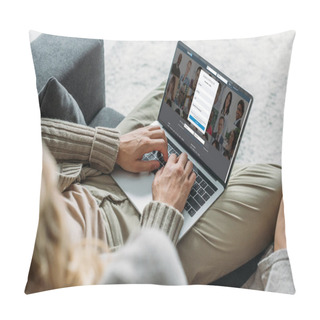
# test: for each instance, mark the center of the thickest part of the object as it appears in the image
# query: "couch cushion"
(77, 63)
(57, 103)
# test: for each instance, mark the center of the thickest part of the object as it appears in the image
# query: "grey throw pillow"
(57, 103)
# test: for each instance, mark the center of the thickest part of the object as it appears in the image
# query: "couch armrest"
(78, 64)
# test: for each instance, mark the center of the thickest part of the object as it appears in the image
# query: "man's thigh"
(238, 226)
(144, 113)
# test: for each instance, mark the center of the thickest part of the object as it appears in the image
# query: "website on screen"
(204, 110)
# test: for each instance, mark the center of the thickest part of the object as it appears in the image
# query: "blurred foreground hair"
(55, 262)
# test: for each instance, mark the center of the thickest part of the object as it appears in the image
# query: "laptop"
(203, 113)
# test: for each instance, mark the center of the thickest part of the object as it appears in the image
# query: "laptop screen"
(205, 111)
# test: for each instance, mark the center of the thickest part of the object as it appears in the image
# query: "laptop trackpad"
(137, 186)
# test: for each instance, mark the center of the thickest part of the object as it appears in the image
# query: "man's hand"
(135, 144)
(173, 182)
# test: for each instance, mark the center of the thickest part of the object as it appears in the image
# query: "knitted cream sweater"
(74, 145)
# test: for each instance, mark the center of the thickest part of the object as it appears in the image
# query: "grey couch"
(78, 64)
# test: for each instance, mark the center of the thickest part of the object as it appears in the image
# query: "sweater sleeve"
(273, 273)
(70, 142)
(164, 217)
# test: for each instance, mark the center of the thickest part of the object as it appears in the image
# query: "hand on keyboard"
(173, 182)
(202, 188)
(135, 144)
(157, 155)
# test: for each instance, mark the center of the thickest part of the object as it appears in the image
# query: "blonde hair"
(55, 263)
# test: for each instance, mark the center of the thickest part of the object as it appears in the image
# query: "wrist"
(163, 216)
(169, 201)
(104, 150)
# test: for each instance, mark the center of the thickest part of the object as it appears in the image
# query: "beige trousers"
(238, 226)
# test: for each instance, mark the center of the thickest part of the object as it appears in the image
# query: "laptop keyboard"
(202, 189)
